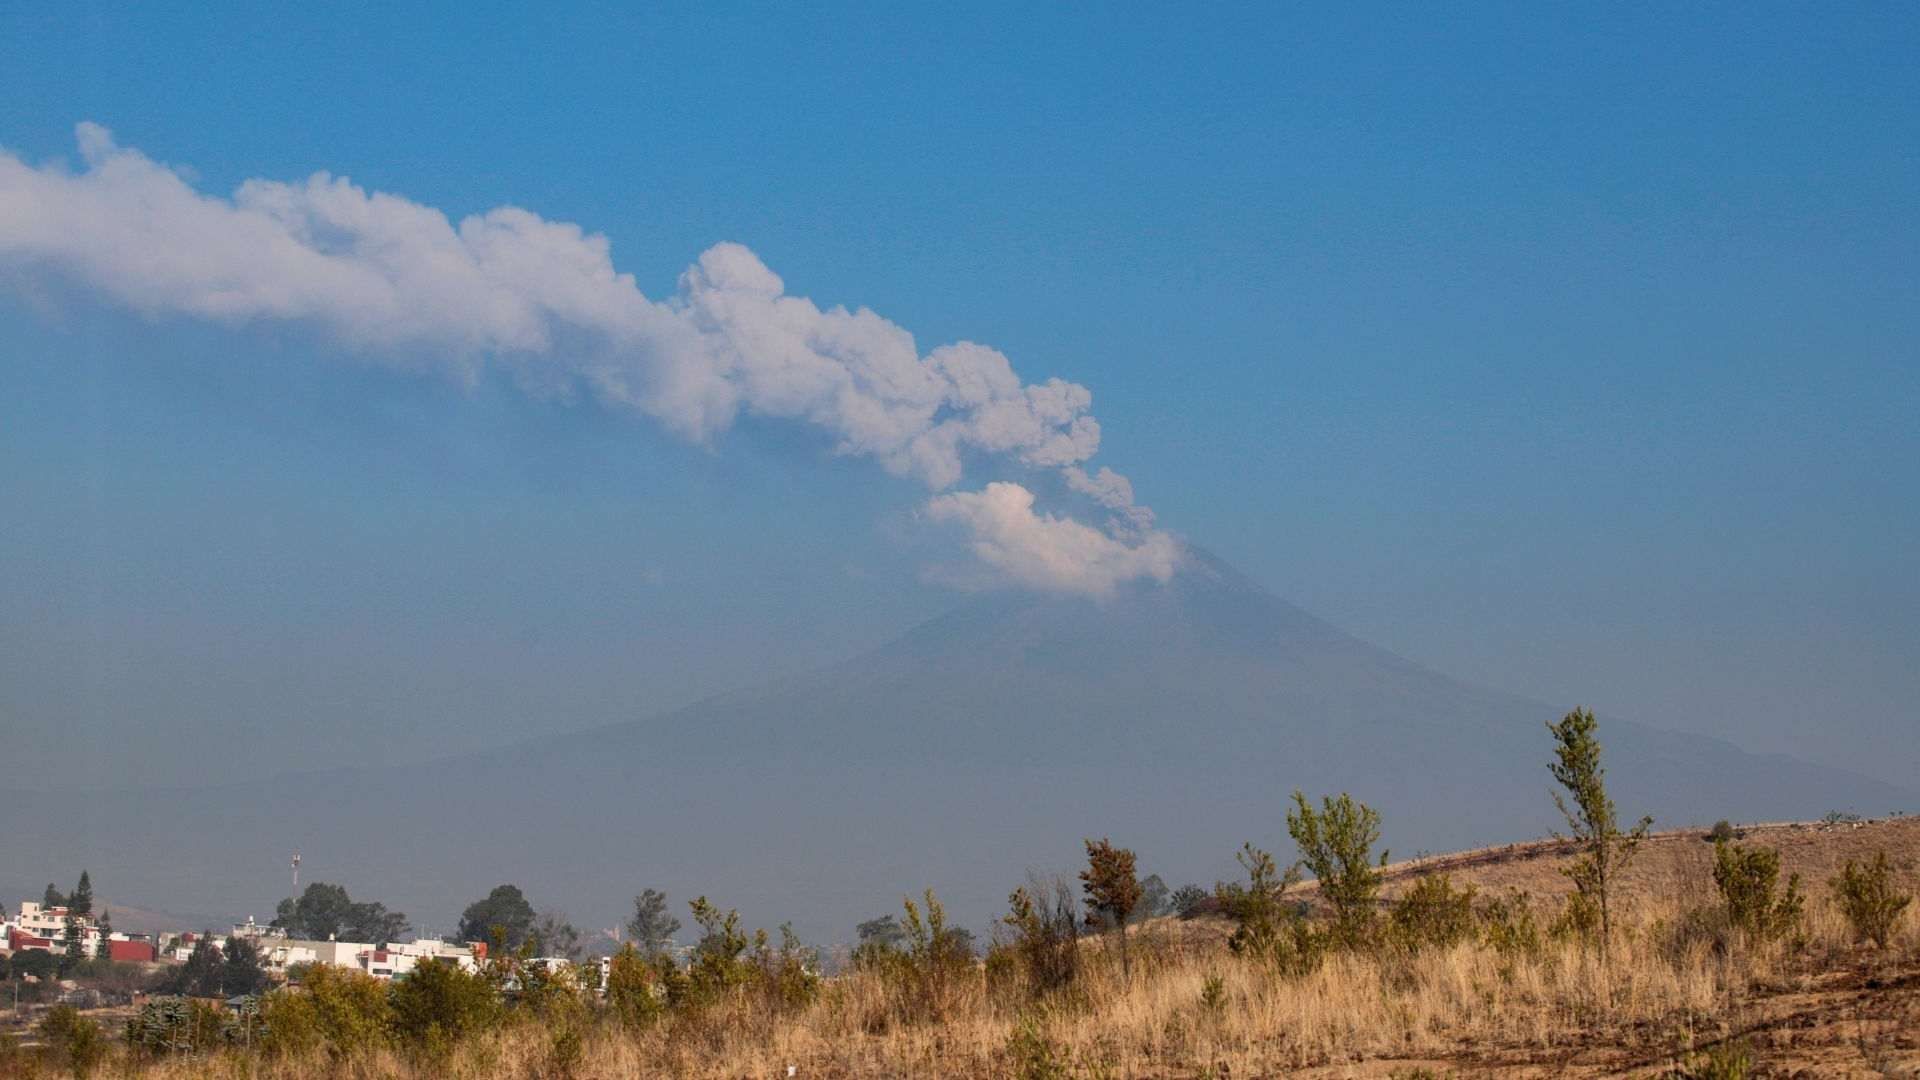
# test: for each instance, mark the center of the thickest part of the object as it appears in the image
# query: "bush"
(1867, 896)
(1336, 844)
(438, 1003)
(630, 989)
(75, 1038)
(1508, 926)
(1748, 880)
(1723, 830)
(787, 975)
(1433, 913)
(178, 1025)
(345, 1012)
(1043, 940)
(1270, 930)
(719, 961)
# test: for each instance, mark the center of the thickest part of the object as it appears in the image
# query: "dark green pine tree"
(105, 952)
(79, 906)
(52, 897)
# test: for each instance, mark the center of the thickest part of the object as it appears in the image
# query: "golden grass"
(1466, 1007)
(1820, 1005)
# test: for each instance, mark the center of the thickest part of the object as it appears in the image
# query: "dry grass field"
(1820, 1004)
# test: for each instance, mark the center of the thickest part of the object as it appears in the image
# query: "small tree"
(201, 975)
(1187, 899)
(1748, 880)
(554, 935)
(1155, 898)
(53, 897)
(1113, 892)
(1336, 844)
(242, 973)
(652, 925)
(1591, 820)
(1867, 896)
(1268, 930)
(104, 953)
(718, 964)
(79, 908)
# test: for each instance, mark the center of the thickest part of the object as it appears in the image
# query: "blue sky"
(1574, 352)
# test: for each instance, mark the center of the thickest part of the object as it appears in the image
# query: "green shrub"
(178, 1025)
(1268, 929)
(1432, 913)
(1748, 880)
(75, 1039)
(630, 994)
(345, 1012)
(438, 1003)
(788, 975)
(1723, 830)
(719, 961)
(1508, 926)
(1867, 896)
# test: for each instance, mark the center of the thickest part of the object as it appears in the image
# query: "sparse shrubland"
(1368, 969)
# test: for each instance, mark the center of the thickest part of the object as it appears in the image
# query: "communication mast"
(296, 874)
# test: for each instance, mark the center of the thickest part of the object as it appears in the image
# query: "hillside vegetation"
(1770, 950)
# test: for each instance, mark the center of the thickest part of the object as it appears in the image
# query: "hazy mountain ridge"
(1174, 718)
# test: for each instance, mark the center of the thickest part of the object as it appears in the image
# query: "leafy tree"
(881, 942)
(371, 921)
(1869, 899)
(1113, 892)
(504, 913)
(320, 913)
(1336, 844)
(1155, 898)
(884, 931)
(242, 972)
(36, 963)
(554, 935)
(53, 897)
(1591, 820)
(203, 973)
(1187, 899)
(652, 925)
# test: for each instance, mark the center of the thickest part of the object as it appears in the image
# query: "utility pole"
(296, 875)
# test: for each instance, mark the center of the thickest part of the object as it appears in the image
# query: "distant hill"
(1175, 718)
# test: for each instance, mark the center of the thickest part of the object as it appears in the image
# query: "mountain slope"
(1176, 719)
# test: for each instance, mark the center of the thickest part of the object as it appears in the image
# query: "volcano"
(1176, 718)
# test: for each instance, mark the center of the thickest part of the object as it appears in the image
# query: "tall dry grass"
(1190, 1008)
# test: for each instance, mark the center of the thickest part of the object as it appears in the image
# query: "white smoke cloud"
(400, 282)
(1047, 552)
